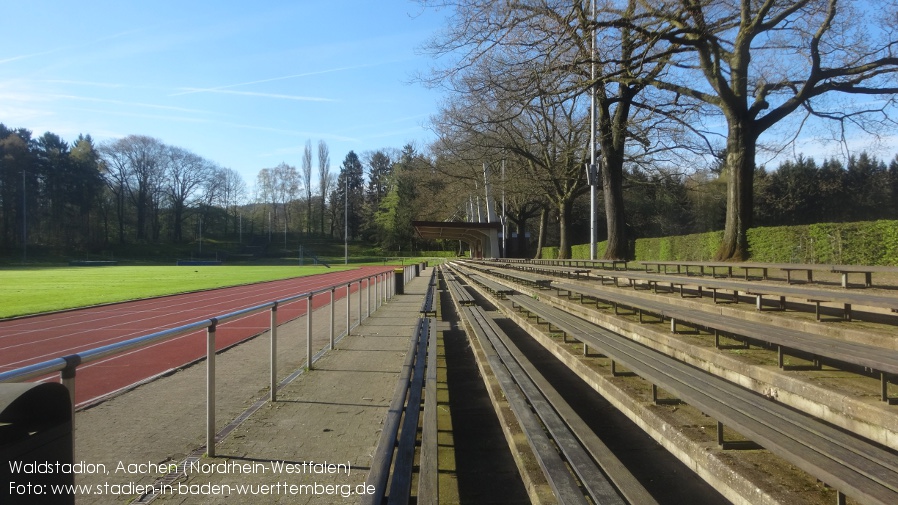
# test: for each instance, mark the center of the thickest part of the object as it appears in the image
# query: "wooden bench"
(883, 362)
(515, 275)
(868, 272)
(602, 264)
(416, 386)
(500, 290)
(852, 465)
(759, 290)
(557, 271)
(459, 293)
(428, 306)
(788, 268)
(746, 267)
(534, 402)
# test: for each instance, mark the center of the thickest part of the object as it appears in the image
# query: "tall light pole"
(24, 219)
(345, 221)
(504, 216)
(592, 140)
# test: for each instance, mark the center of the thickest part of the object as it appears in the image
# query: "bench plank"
(854, 466)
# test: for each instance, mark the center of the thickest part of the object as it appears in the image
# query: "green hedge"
(864, 243)
(436, 254)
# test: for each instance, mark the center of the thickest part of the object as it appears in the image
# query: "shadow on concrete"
(485, 469)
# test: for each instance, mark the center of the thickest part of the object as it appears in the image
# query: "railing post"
(333, 289)
(368, 296)
(309, 331)
(348, 317)
(210, 387)
(360, 301)
(67, 378)
(274, 351)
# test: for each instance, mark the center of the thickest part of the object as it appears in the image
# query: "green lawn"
(34, 290)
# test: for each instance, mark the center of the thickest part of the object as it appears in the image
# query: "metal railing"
(67, 366)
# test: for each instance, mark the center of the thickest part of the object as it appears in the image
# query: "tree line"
(87, 197)
(93, 197)
(798, 191)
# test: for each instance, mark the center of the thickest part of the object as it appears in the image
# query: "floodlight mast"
(591, 170)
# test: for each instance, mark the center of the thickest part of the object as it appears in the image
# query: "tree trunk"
(518, 245)
(177, 234)
(120, 210)
(564, 239)
(740, 167)
(613, 189)
(543, 224)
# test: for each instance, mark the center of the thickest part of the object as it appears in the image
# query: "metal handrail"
(68, 365)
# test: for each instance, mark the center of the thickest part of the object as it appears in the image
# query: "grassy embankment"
(31, 290)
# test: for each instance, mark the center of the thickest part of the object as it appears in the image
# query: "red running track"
(31, 340)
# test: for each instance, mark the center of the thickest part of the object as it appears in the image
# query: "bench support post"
(662, 401)
(884, 387)
(736, 444)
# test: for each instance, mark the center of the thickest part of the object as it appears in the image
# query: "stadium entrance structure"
(483, 238)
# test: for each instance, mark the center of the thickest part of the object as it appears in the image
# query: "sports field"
(33, 290)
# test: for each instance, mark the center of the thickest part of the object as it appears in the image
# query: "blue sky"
(243, 84)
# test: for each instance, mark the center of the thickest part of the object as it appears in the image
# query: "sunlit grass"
(31, 290)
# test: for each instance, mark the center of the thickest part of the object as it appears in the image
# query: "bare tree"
(286, 189)
(136, 165)
(265, 196)
(307, 181)
(536, 50)
(546, 134)
(232, 192)
(186, 175)
(759, 61)
(324, 178)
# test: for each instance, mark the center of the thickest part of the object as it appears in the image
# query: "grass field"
(33, 290)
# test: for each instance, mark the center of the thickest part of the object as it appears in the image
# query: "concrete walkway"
(314, 445)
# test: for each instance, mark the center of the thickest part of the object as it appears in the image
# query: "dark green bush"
(861, 243)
